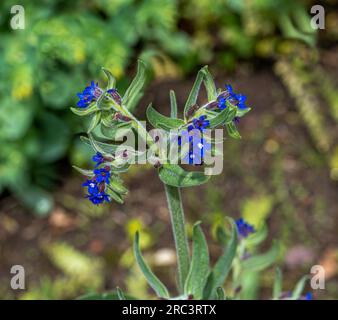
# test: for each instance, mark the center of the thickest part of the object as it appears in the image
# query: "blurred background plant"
(283, 172)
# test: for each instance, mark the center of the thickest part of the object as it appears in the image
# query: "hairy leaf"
(135, 87)
(174, 175)
(158, 120)
(153, 281)
(262, 261)
(199, 267)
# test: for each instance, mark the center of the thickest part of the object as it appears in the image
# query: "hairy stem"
(180, 236)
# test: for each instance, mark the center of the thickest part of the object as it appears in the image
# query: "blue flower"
(96, 191)
(98, 198)
(102, 175)
(89, 94)
(244, 228)
(308, 296)
(201, 123)
(98, 158)
(198, 147)
(234, 98)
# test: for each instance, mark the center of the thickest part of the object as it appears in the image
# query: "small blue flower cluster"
(234, 98)
(194, 136)
(96, 186)
(89, 94)
(244, 228)
(93, 92)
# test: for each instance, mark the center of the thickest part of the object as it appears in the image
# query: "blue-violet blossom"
(244, 228)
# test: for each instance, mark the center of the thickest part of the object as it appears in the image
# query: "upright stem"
(180, 235)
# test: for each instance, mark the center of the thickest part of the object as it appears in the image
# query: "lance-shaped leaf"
(85, 111)
(209, 84)
(173, 105)
(262, 261)
(232, 130)
(297, 292)
(111, 83)
(117, 132)
(194, 92)
(225, 116)
(223, 264)
(277, 284)
(158, 120)
(102, 147)
(199, 267)
(97, 146)
(116, 184)
(174, 175)
(87, 173)
(153, 281)
(135, 87)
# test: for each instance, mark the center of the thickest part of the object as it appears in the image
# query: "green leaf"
(174, 175)
(134, 100)
(297, 292)
(173, 105)
(194, 92)
(242, 112)
(117, 132)
(102, 147)
(136, 85)
(277, 285)
(262, 261)
(209, 84)
(223, 264)
(94, 122)
(111, 83)
(158, 120)
(232, 130)
(220, 294)
(225, 116)
(85, 111)
(153, 281)
(54, 137)
(87, 173)
(199, 267)
(120, 294)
